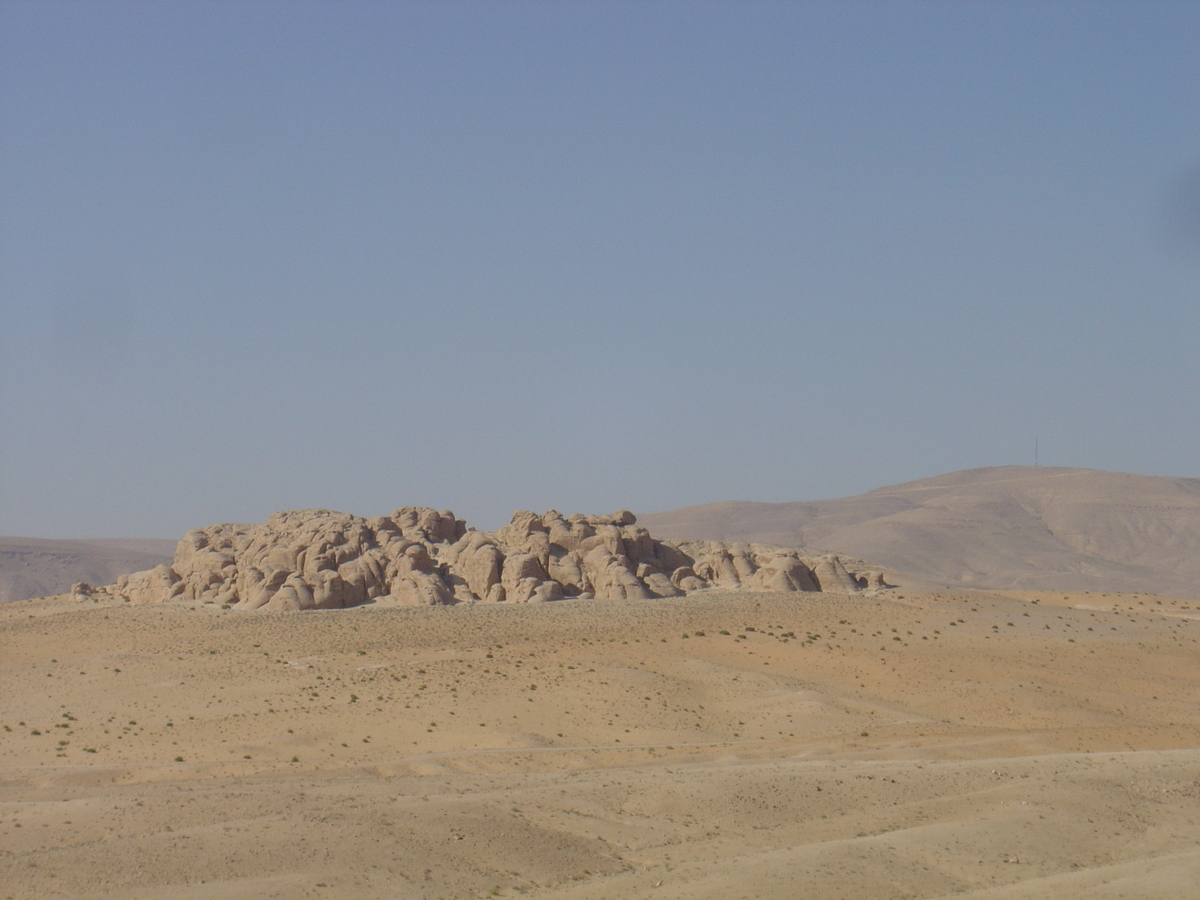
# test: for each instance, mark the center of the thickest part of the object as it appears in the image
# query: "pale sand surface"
(969, 745)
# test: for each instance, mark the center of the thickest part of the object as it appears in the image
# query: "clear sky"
(588, 256)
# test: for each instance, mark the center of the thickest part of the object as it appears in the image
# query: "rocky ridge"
(996, 528)
(318, 559)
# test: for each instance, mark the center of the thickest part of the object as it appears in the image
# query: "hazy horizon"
(646, 514)
(584, 256)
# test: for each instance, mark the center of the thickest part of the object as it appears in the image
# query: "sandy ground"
(727, 745)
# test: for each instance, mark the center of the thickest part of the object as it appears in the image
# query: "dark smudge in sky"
(1182, 215)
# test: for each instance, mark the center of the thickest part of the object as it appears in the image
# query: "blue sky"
(261, 256)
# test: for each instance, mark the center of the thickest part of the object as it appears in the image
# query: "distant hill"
(1000, 527)
(36, 567)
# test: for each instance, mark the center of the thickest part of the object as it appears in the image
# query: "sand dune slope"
(1003, 745)
(1012, 526)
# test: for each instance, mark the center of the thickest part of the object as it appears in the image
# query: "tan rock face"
(318, 559)
(152, 586)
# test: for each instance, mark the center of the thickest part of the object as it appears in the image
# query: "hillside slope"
(999, 527)
(37, 567)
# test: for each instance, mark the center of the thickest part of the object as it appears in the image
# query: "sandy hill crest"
(318, 559)
(999, 527)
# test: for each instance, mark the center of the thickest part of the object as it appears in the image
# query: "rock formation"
(317, 559)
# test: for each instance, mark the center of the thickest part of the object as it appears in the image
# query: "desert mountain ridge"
(320, 559)
(1005, 527)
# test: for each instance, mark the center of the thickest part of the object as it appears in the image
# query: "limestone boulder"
(831, 575)
(156, 585)
(418, 556)
(783, 573)
(715, 565)
(874, 580)
(611, 578)
(660, 585)
(478, 562)
(567, 569)
(526, 533)
(522, 576)
(420, 589)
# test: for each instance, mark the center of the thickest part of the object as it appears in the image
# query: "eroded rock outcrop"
(317, 559)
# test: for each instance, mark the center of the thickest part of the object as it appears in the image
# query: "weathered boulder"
(155, 585)
(566, 568)
(783, 573)
(831, 575)
(610, 576)
(685, 579)
(476, 563)
(873, 579)
(417, 556)
(522, 576)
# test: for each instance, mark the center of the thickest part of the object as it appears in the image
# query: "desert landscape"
(38, 567)
(882, 737)
(996, 527)
(569, 451)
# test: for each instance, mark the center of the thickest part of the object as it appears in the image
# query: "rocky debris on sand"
(318, 559)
